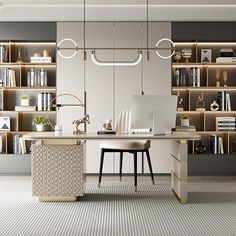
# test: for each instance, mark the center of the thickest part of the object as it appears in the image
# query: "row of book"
(188, 77)
(19, 145)
(223, 99)
(225, 123)
(37, 78)
(45, 101)
(216, 144)
(7, 77)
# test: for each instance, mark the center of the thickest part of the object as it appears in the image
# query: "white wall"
(110, 89)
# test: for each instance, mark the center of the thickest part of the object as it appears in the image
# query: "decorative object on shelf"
(226, 52)
(205, 55)
(187, 53)
(107, 125)
(200, 104)
(214, 106)
(200, 148)
(40, 122)
(24, 100)
(177, 56)
(45, 53)
(180, 104)
(19, 58)
(218, 77)
(184, 120)
(1, 83)
(5, 123)
(225, 78)
(83, 120)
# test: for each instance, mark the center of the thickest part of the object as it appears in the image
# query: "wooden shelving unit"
(205, 121)
(21, 121)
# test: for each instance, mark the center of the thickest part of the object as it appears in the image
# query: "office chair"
(123, 125)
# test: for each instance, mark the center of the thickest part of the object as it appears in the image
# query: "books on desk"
(190, 128)
(106, 132)
(141, 131)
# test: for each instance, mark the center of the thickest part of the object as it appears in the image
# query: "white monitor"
(155, 112)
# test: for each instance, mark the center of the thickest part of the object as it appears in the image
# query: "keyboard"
(141, 131)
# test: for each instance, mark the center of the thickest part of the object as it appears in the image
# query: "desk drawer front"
(57, 170)
(179, 151)
(180, 168)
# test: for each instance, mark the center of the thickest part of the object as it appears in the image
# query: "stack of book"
(7, 77)
(19, 146)
(40, 59)
(225, 123)
(195, 77)
(216, 144)
(223, 99)
(45, 101)
(190, 128)
(37, 78)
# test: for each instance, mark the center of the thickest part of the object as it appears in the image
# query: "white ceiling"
(118, 10)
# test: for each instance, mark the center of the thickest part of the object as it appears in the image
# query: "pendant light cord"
(147, 25)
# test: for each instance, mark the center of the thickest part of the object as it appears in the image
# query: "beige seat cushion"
(126, 145)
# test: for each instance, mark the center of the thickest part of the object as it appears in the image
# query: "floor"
(116, 210)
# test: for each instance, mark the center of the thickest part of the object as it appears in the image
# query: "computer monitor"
(155, 112)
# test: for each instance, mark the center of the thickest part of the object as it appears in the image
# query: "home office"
(113, 34)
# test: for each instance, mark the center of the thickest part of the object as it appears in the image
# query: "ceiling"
(117, 10)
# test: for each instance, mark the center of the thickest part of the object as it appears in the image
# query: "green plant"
(40, 120)
(25, 96)
(184, 116)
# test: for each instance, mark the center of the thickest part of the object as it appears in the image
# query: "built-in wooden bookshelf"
(208, 90)
(17, 59)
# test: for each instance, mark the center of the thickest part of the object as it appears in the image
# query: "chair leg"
(101, 166)
(150, 165)
(121, 163)
(135, 171)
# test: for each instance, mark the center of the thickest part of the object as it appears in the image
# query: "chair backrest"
(123, 122)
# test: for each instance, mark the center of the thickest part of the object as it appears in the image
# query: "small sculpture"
(200, 104)
(83, 120)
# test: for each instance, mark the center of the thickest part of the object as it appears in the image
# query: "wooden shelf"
(29, 88)
(204, 88)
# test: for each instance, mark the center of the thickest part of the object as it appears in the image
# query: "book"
(225, 59)
(40, 101)
(228, 103)
(106, 132)
(41, 59)
(25, 108)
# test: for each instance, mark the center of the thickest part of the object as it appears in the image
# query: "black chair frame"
(134, 152)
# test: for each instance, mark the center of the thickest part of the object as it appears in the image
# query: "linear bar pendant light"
(117, 63)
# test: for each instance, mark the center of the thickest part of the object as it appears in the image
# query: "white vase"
(24, 102)
(184, 122)
(40, 128)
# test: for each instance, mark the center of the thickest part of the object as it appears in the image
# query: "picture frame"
(5, 123)
(206, 55)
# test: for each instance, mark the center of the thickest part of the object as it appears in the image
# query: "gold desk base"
(58, 198)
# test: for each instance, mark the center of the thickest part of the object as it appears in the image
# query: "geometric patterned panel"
(57, 170)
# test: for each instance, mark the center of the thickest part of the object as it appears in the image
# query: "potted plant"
(40, 122)
(184, 120)
(24, 100)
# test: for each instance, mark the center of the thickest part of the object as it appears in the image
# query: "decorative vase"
(187, 53)
(40, 128)
(184, 122)
(200, 148)
(25, 102)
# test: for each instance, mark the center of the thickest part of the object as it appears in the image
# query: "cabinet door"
(157, 80)
(127, 78)
(70, 74)
(99, 87)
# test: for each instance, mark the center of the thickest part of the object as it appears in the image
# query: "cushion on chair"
(126, 145)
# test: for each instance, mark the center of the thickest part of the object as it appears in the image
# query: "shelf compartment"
(25, 121)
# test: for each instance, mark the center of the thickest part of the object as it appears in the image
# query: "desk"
(179, 155)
